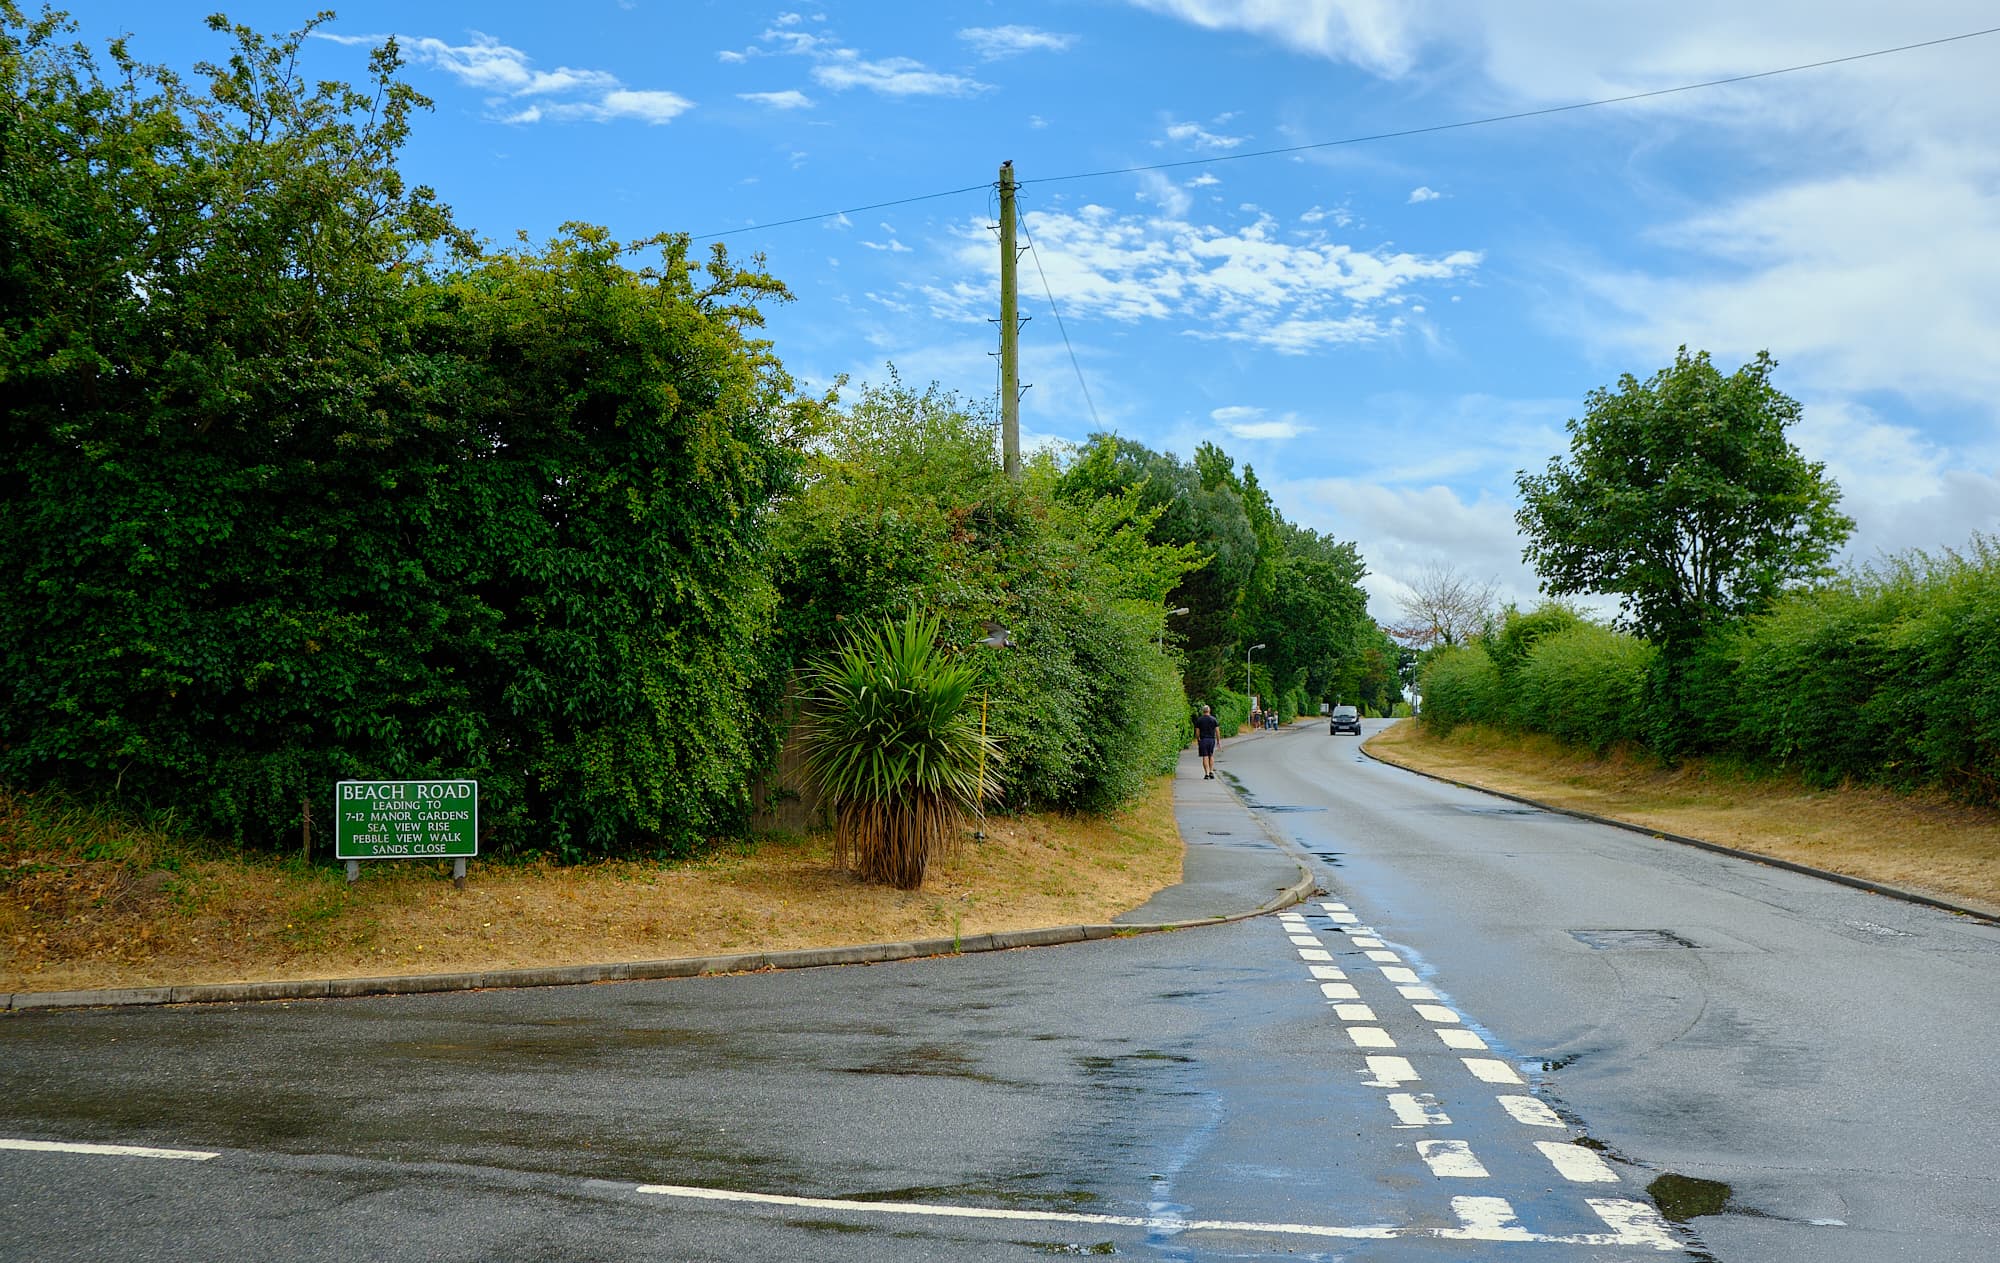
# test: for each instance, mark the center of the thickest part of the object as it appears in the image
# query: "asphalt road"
(1267, 1089)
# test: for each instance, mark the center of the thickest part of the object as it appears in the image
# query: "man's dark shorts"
(1205, 747)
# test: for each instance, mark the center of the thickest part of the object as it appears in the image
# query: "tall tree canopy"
(1266, 580)
(1683, 496)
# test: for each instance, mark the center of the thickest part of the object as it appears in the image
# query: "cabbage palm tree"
(891, 741)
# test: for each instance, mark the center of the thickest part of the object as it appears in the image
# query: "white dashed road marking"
(1530, 1112)
(1487, 1070)
(1489, 1219)
(1574, 1162)
(1391, 1072)
(1418, 1109)
(109, 1151)
(1631, 1223)
(1451, 1159)
(1635, 1223)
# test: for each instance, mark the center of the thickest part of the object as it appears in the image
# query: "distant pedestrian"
(1206, 725)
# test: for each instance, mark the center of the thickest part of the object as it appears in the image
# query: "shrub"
(892, 743)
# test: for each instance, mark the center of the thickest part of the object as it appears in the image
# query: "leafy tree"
(1683, 495)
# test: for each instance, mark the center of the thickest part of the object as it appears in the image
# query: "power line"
(1509, 118)
(1376, 136)
(852, 210)
(1037, 256)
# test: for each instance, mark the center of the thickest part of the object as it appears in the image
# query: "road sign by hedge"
(405, 820)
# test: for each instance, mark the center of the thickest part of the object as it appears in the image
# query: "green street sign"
(405, 820)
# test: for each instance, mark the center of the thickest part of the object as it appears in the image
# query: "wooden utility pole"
(1010, 332)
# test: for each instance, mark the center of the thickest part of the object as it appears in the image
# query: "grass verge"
(1924, 842)
(88, 900)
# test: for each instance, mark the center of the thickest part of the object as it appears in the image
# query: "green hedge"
(1461, 685)
(1584, 684)
(1892, 676)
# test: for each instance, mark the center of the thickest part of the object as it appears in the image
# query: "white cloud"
(1378, 36)
(891, 76)
(1902, 490)
(789, 99)
(1199, 137)
(1251, 423)
(1399, 530)
(1340, 215)
(1423, 193)
(1171, 198)
(995, 42)
(840, 68)
(508, 74)
(1882, 280)
(647, 106)
(1202, 181)
(1238, 285)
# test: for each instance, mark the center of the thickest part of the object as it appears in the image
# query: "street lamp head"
(1182, 610)
(1256, 646)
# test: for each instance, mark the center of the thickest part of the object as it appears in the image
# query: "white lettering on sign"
(406, 819)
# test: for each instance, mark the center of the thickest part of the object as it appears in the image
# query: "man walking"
(1206, 725)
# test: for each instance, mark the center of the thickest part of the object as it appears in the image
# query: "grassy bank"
(88, 900)
(1923, 841)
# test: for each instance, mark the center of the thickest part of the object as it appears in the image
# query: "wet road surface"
(1276, 1088)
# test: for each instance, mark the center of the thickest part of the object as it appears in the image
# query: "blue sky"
(1387, 330)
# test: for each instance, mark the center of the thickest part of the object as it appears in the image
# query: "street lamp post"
(1246, 669)
(1163, 627)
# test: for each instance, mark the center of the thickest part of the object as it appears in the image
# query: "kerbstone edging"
(1792, 866)
(628, 971)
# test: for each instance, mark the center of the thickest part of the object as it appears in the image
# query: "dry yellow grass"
(1924, 842)
(67, 922)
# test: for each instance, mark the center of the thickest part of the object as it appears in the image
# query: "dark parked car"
(1345, 719)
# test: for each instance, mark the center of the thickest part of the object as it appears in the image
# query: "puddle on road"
(1684, 1197)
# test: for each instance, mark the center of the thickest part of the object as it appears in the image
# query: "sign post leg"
(353, 871)
(458, 872)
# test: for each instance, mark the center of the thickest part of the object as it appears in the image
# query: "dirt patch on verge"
(112, 908)
(1924, 842)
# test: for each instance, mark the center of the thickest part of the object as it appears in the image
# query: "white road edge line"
(1480, 1219)
(110, 1151)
